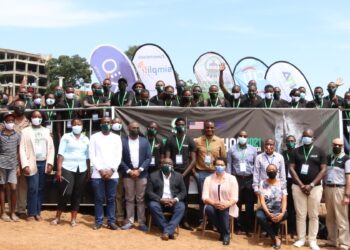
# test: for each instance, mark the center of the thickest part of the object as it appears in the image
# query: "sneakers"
(299, 243)
(127, 226)
(313, 245)
(143, 228)
(112, 226)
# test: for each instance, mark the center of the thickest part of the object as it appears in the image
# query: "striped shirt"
(8, 150)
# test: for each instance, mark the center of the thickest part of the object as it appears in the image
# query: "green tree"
(71, 68)
(131, 51)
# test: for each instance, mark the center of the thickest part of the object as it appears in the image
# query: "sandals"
(55, 221)
(5, 217)
(73, 223)
(14, 218)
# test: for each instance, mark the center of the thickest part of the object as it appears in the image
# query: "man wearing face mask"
(21, 122)
(302, 95)
(37, 101)
(181, 148)
(252, 100)
(307, 167)
(290, 143)
(187, 99)
(123, 97)
(166, 192)
(337, 196)
(160, 90)
(157, 147)
(107, 93)
(37, 157)
(197, 94)
(214, 100)
(144, 99)
(168, 100)
(240, 163)
(268, 101)
(295, 102)
(233, 99)
(318, 102)
(346, 121)
(180, 87)
(335, 100)
(269, 156)
(117, 126)
(137, 88)
(277, 98)
(135, 164)
(22, 95)
(59, 94)
(105, 153)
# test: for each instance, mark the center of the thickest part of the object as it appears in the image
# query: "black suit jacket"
(155, 186)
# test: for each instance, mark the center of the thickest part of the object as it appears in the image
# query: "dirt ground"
(42, 235)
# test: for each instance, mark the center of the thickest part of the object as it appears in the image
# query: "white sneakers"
(313, 244)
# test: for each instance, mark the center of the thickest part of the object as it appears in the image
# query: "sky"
(313, 35)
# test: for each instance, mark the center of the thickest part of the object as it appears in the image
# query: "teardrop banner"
(250, 68)
(109, 61)
(287, 76)
(152, 64)
(206, 70)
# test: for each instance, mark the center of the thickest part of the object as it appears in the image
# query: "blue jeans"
(219, 218)
(157, 213)
(200, 178)
(104, 190)
(267, 225)
(35, 192)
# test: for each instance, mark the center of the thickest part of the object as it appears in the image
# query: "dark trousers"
(35, 193)
(219, 218)
(72, 191)
(246, 197)
(290, 208)
(267, 225)
(200, 178)
(157, 213)
(187, 184)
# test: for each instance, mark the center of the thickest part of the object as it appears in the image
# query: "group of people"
(127, 168)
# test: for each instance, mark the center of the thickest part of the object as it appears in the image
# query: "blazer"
(145, 157)
(155, 186)
(27, 149)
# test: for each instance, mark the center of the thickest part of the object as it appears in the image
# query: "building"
(15, 65)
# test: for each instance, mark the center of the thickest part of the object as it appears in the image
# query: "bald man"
(337, 193)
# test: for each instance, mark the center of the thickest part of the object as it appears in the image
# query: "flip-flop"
(15, 218)
(73, 223)
(55, 221)
(5, 217)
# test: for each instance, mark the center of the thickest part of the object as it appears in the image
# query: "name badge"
(242, 166)
(207, 159)
(348, 129)
(289, 175)
(107, 113)
(69, 124)
(49, 126)
(304, 169)
(95, 117)
(153, 161)
(178, 159)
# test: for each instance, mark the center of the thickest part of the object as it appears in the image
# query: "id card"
(153, 161)
(178, 159)
(95, 117)
(304, 169)
(69, 124)
(207, 159)
(348, 129)
(107, 113)
(49, 126)
(242, 166)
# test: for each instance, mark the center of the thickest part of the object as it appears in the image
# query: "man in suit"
(134, 167)
(166, 192)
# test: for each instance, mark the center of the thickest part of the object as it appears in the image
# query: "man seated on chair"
(220, 195)
(166, 192)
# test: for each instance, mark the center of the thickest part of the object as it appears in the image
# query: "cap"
(8, 114)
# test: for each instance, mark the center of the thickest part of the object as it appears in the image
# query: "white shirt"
(166, 187)
(105, 153)
(134, 151)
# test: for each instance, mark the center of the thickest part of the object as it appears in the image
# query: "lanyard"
(171, 104)
(238, 104)
(146, 105)
(122, 104)
(268, 159)
(347, 114)
(269, 105)
(242, 153)
(216, 102)
(70, 111)
(109, 95)
(50, 114)
(94, 101)
(319, 106)
(335, 159)
(287, 156)
(207, 144)
(296, 106)
(152, 146)
(308, 154)
(179, 146)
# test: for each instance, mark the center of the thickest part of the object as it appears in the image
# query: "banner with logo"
(206, 70)
(109, 61)
(250, 68)
(287, 76)
(152, 64)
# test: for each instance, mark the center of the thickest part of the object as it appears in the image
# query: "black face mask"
(22, 96)
(152, 131)
(122, 87)
(144, 101)
(336, 150)
(318, 97)
(331, 92)
(251, 95)
(180, 89)
(272, 175)
(187, 98)
(159, 89)
(213, 95)
(134, 132)
(169, 95)
(106, 88)
(58, 93)
(276, 95)
(19, 111)
(197, 95)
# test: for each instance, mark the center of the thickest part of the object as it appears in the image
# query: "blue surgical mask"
(220, 169)
(242, 140)
(77, 129)
(302, 95)
(306, 140)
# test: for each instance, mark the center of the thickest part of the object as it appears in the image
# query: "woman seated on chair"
(220, 195)
(273, 200)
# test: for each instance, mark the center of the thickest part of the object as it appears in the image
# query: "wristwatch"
(312, 184)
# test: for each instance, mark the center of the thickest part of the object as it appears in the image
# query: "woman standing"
(37, 156)
(73, 168)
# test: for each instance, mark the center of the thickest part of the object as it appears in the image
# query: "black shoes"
(226, 240)
(186, 226)
(97, 226)
(112, 226)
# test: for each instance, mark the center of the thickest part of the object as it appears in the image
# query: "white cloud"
(51, 14)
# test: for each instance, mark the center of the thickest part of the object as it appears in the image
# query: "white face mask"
(295, 98)
(269, 95)
(37, 101)
(117, 127)
(236, 95)
(36, 121)
(77, 129)
(70, 95)
(306, 140)
(50, 101)
(302, 95)
(242, 140)
(10, 125)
